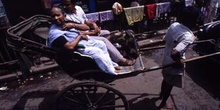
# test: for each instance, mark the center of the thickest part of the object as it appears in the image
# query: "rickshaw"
(92, 92)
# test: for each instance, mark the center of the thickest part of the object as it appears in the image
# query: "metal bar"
(186, 61)
(201, 57)
(152, 48)
(44, 68)
(163, 46)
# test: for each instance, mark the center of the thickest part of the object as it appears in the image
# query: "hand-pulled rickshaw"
(28, 39)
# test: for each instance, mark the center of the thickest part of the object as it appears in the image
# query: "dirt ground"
(201, 90)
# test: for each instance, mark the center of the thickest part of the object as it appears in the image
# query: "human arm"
(175, 55)
(91, 33)
(181, 47)
(93, 27)
(70, 25)
(61, 42)
(73, 44)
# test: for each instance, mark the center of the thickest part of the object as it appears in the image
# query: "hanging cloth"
(151, 11)
(106, 15)
(93, 16)
(162, 8)
(134, 14)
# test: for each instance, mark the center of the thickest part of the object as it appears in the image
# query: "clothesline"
(133, 14)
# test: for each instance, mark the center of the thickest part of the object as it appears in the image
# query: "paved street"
(200, 92)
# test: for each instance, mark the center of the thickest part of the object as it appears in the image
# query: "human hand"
(68, 26)
(84, 37)
(175, 55)
(96, 28)
(82, 32)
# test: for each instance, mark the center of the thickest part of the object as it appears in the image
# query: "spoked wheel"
(91, 96)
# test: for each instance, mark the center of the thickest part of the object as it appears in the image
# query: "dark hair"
(72, 1)
(58, 6)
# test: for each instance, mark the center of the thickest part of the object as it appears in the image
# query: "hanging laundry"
(93, 16)
(150, 11)
(4, 22)
(162, 8)
(106, 15)
(134, 14)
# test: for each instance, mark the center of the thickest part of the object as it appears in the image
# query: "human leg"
(115, 55)
(104, 33)
(113, 52)
(165, 93)
(101, 58)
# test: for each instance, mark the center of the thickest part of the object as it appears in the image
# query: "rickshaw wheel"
(91, 96)
(217, 46)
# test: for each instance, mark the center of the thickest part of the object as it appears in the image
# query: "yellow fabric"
(134, 14)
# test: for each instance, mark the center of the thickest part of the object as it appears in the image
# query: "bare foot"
(168, 106)
(127, 62)
(117, 68)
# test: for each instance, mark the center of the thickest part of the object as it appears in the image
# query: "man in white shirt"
(177, 38)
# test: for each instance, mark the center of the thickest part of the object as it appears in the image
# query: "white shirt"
(179, 37)
(79, 17)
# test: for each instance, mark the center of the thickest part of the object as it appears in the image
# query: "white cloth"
(94, 48)
(179, 37)
(114, 53)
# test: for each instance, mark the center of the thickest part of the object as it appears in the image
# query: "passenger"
(76, 16)
(177, 38)
(69, 39)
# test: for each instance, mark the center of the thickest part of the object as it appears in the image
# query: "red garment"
(150, 11)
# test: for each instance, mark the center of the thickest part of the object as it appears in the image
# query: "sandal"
(120, 34)
(127, 62)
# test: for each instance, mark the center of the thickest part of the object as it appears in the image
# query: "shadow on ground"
(45, 100)
(144, 101)
(205, 73)
(37, 100)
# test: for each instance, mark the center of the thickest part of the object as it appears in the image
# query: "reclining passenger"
(76, 14)
(69, 39)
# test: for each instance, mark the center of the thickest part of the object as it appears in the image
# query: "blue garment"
(94, 48)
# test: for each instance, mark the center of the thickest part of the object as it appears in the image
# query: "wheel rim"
(91, 96)
(217, 46)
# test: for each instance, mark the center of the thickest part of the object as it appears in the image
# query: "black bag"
(127, 44)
